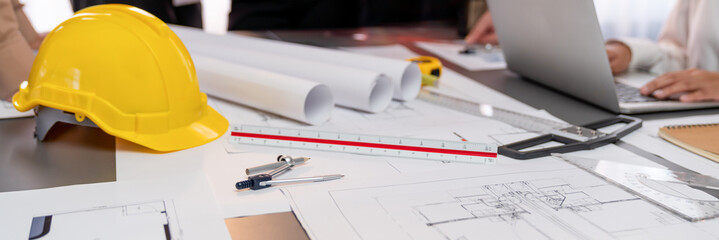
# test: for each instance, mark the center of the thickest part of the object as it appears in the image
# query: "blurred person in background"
(17, 38)
(309, 14)
(180, 12)
(686, 53)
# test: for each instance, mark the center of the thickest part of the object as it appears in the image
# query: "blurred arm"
(15, 54)
(25, 27)
(681, 44)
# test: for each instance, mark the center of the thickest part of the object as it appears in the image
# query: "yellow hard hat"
(125, 70)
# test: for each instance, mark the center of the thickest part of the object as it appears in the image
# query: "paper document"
(405, 76)
(544, 199)
(394, 51)
(647, 139)
(402, 119)
(224, 170)
(292, 97)
(480, 60)
(7, 110)
(354, 88)
(174, 208)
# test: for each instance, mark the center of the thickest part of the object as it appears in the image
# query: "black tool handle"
(514, 150)
(253, 182)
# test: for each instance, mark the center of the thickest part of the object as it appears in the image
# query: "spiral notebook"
(702, 139)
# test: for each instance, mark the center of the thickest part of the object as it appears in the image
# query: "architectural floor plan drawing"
(150, 220)
(515, 205)
(542, 204)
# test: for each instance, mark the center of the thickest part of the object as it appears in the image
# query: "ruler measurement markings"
(368, 144)
(408, 147)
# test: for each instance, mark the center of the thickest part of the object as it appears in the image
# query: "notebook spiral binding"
(692, 125)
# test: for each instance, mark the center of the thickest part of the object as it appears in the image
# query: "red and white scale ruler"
(427, 149)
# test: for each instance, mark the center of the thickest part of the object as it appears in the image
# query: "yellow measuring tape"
(431, 69)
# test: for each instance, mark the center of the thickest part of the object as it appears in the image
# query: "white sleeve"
(669, 53)
(655, 57)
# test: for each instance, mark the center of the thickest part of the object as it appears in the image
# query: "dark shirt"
(189, 15)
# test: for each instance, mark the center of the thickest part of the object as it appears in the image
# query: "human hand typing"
(695, 84)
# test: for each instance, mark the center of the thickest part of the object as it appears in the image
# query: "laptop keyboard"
(627, 93)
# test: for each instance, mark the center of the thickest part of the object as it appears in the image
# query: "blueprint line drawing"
(546, 204)
(147, 220)
(508, 202)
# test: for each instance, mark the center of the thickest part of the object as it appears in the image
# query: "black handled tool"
(573, 138)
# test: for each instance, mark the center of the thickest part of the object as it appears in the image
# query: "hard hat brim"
(208, 128)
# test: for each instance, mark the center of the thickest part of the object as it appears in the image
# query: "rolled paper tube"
(405, 76)
(288, 96)
(354, 88)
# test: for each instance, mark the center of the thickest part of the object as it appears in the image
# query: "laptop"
(558, 43)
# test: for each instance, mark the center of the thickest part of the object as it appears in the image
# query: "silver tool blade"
(647, 182)
(516, 119)
(280, 170)
(691, 179)
(264, 168)
(303, 179)
(281, 161)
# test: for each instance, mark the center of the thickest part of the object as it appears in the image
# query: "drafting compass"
(574, 138)
(257, 180)
(672, 190)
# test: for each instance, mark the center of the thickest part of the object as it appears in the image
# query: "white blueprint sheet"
(409, 119)
(7, 110)
(413, 119)
(223, 168)
(182, 207)
(225, 164)
(541, 199)
(478, 61)
(647, 139)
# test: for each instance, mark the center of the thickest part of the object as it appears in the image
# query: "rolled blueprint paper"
(288, 96)
(351, 87)
(406, 77)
